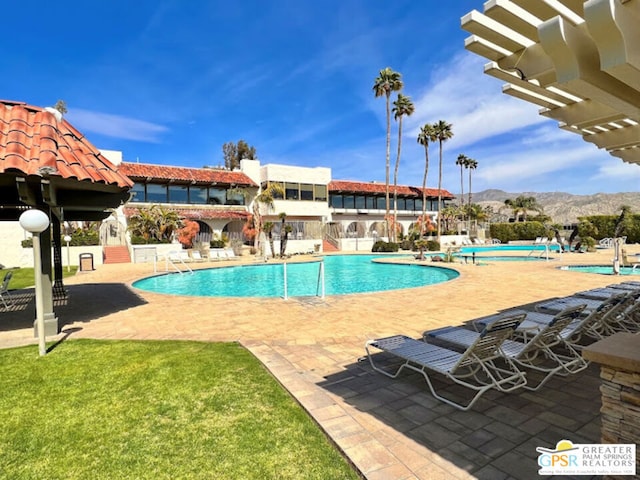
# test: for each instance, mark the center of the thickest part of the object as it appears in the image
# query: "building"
(348, 215)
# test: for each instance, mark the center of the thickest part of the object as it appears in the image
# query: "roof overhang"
(578, 60)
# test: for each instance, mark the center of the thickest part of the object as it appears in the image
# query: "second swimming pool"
(344, 274)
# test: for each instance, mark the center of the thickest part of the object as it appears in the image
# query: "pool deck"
(389, 429)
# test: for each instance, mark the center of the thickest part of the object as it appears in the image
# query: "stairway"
(117, 254)
(328, 247)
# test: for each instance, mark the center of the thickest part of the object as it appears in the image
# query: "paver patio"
(389, 429)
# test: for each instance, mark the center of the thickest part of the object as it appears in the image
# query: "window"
(418, 205)
(306, 191)
(349, 201)
(156, 193)
(138, 189)
(234, 198)
(336, 201)
(380, 203)
(320, 193)
(360, 202)
(402, 204)
(292, 191)
(370, 202)
(178, 194)
(217, 196)
(198, 195)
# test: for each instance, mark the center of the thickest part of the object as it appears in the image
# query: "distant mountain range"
(563, 208)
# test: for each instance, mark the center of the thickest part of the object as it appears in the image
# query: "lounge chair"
(195, 256)
(229, 254)
(474, 368)
(4, 290)
(536, 353)
(630, 260)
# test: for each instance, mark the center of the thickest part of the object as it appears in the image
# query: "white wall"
(288, 173)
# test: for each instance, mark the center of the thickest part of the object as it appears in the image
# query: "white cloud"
(116, 126)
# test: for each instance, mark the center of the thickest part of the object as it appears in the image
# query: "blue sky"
(168, 82)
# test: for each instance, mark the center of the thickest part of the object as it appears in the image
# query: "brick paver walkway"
(389, 429)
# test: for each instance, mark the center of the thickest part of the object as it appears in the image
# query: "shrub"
(217, 244)
(381, 246)
(408, 244)
(433, 245)
(507, 232)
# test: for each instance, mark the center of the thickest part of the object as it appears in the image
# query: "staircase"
(118, 254)
(329, 247)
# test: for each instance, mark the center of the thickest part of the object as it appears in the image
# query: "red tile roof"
(199, 213)
(197, 175)
(380, 188)
(32, 138)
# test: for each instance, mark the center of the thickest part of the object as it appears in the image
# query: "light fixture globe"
(67, 238)
(34, 221)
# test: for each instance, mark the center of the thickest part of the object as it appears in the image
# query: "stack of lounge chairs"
(513, 349)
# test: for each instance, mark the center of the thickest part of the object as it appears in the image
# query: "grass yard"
(154, 410)
(23, 277)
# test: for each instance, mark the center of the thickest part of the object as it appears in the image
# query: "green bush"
(217, 243)
(381, 246)
(81, 238)
(509, 232)
(433, 245)
(408, 244)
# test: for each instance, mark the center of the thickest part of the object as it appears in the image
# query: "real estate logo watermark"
(570, 458)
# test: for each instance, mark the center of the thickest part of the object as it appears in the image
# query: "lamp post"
(67, 239)
(36, 222)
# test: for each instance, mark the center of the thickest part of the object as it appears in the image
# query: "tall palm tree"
(387, 81)
(523, 205)
(471, 164)
(462, 161)
(401, 107)
(443, 133)
(427, 134)
(267, 198)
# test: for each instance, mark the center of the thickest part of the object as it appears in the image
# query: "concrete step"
(329, 247)
(117, 254)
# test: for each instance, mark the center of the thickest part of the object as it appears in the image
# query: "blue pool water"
(508, 248)
(344, 274)
(602, 269)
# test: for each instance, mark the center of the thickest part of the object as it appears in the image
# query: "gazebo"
(48, 165)
(578, 60)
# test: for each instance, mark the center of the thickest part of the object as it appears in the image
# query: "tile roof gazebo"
(46, 164)
(578, 60)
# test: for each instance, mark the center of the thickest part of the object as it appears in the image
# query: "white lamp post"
(67, 239)
(36, 222)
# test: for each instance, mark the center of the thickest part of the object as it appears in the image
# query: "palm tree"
(266, 198)
(427, 134)
(522, 205)
(401, 107)
(443, 133)
(471, 164)
(388, 81)
(267, 227)
(462, 161)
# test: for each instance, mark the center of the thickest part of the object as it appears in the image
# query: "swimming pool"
(344, 274)
(508, 248)
(601, 269)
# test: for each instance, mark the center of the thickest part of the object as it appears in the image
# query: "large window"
(217, 196)
(349, 201)
(198, 195)
(292, 191)
(360, 201)
(139, 193)
(306, 191)
(234, 198)
(156, 193)
(320, 193)
(335, 200)
(178, 194)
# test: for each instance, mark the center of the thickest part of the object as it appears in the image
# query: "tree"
(426, 135)
(471, 164)
(233, 153)
(268, 228)
(387, 81)
(265, 198)
(443, 132)
(187, 233)
(155, 224)
(285, 230)
(61, 106)
(523, 205)
(462, 161)
(401, 107)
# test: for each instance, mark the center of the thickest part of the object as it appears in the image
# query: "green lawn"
(23, 277)
(154, 410)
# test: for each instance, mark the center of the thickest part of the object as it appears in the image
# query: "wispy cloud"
(116, 126)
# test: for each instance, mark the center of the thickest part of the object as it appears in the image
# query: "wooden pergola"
(46, 164)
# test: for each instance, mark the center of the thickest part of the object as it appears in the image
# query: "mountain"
(563, 208)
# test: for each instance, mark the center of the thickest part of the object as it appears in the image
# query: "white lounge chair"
(537, 352)
(4, 290)
(474, 368)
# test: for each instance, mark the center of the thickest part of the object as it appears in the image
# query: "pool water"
(602, 269)
(344, 274)
(509, 248)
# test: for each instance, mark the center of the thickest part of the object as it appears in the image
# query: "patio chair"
(630, 260)
(4, 290)
(196, 256)
(474, 368)
(538, 353)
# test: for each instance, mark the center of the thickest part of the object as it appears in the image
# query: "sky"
(169, 81)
